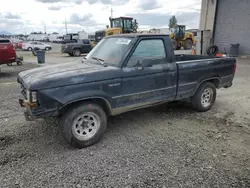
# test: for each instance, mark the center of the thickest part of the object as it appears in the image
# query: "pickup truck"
(76, 48)
(122, 73)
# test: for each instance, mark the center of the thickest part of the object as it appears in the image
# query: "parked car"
(19, 44)
(122, 73)
(34, 44)
(76, 47)
(7, 52)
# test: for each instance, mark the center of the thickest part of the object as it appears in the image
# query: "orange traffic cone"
(193, 51)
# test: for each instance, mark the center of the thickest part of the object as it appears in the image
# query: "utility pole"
(44, 25)
(66, 27)
(112, 12)
(45, 29)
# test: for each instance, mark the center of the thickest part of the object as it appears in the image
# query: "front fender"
(56, 98)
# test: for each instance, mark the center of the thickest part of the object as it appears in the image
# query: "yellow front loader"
(117, 26)
(181, 38)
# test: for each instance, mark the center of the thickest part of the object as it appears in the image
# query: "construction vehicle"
(181, 38)
(117, 26)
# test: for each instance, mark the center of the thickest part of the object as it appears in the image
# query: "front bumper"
(27, 112)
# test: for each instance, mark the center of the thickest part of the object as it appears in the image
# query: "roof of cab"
(136, 35)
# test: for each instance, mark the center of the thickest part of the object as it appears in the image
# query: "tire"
(9, 64)
(212, 50)
(47, 49)
(78, 136)
(70, 54)
(29, 49)
(204, 97)
(19, 63)
(188, 43)
(76, 52)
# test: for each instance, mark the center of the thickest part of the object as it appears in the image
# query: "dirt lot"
(165, 146)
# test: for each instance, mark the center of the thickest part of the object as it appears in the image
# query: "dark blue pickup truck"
(122, 73)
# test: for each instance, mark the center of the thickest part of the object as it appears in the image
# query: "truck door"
(145, 76)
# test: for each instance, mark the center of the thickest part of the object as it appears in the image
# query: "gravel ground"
(165, 146)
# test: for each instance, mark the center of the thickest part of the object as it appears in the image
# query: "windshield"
(110, 50)
(117, 23)
(128, 24)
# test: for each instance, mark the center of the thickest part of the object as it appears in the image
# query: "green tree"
(135, 25)
(172, 22)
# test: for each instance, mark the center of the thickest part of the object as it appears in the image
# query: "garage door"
(233, 25)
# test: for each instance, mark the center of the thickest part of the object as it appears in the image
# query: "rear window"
(4, 41)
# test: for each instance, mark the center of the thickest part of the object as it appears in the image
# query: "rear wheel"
(70, 54)
(19, 63)
(47, 48)
(188, 43)
(204, 97)
(84, 125)
(76, 52)
(29, 49)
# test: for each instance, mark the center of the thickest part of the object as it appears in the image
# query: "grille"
(23, 91)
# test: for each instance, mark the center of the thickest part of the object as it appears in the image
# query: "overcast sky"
(18, 16)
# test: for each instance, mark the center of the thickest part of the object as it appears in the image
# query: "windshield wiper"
(100, 61)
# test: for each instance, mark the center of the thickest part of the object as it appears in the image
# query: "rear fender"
(214, 80)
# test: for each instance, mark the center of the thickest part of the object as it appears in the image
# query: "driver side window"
(152, 50)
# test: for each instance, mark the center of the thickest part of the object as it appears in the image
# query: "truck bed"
(192, 69)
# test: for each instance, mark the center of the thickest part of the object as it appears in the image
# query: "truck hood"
(65, 74)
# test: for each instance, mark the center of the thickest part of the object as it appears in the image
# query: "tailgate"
(7, 53)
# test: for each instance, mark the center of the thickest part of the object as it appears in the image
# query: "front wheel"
(83, 125)
(47, 49)
(204, 97)
(174, 44)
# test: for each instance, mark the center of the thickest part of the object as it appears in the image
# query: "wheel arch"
(76, 48)
(104, 103)
(215, 81)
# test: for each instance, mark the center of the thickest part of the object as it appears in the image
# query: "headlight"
(32, 96)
